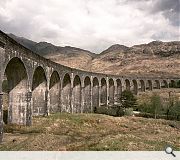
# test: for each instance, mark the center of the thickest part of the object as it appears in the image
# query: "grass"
(63, 131)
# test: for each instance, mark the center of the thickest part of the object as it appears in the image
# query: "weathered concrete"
(37, 86)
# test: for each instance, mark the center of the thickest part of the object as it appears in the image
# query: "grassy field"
(64, 131)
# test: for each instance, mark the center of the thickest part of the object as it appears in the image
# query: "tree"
(128, 100)
(156, 104)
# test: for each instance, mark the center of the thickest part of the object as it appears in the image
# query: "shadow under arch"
(39, 92)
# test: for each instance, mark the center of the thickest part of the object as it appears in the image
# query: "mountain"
(69, 56)
(153, 59)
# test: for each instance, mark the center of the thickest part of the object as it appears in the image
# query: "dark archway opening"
(172, 84)
(156, 84)
(66, 94)
(54, 93)
(149, 85)
(103, 95)
(76, 94)
(95, 94)
(15, 85)
(135, 87)
(142, 86)
(127, 85)
(119, 90)
(39, 92)
(111, 91)
(87, 95)
(164, 84)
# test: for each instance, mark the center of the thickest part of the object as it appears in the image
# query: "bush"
(110, 110)
(128, 112)
(128, 100)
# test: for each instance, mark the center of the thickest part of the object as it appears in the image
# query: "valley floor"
(76, 132)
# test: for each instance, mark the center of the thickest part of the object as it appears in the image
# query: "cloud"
(92, 24)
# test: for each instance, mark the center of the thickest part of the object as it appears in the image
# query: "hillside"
(75, 132)
(153, 59)
(69, 56)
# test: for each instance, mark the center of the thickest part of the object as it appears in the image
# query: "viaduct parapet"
(38, 86)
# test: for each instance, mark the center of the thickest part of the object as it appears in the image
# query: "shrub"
(128, 112)
(128, 100)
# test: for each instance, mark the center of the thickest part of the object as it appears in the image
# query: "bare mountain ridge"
(153, 59)
(68, 56)
(45, 48)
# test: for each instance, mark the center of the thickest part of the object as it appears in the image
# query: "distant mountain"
(115, 48)
(69, 56)
(155, 58)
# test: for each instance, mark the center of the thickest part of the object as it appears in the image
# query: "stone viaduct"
(38, 86)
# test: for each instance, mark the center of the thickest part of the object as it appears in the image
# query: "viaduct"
(38, 86)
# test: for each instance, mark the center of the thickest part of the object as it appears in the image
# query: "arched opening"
(135, 87)
(164, 84)
(111, 91)
(39, 92)
(103, 95)
(66, 94)
(95, 94)
(54, 92)
(142, 86)
(16, 86)
(87, 95)
(149, 85)
(127, 84)
(5, 99)
(119, 90)
(156, 84)
(178, 84)
(76, 94)
(172, 84)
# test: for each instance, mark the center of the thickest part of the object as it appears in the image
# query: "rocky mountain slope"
(153, 59)
(69, 56)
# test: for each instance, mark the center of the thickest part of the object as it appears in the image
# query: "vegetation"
(158, 107)
(128, 99)
(63, 131)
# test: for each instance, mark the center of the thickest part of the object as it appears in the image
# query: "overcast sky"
(92, 24)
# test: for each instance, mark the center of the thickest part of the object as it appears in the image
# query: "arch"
(142, 86)
(103, 92)
(178, 83)
(5, 99)
(156, 84)
(111, 91)
(76, 94)
(135, 86)
(87, 95)
(127, 85)
(66, 94)
(39, 92)
(172, 84)
(149, 85)
(17, 84)
(95, 93)
(119, 90)
(164, 84)
(54, 92)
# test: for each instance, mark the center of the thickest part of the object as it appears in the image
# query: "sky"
(94, 25)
